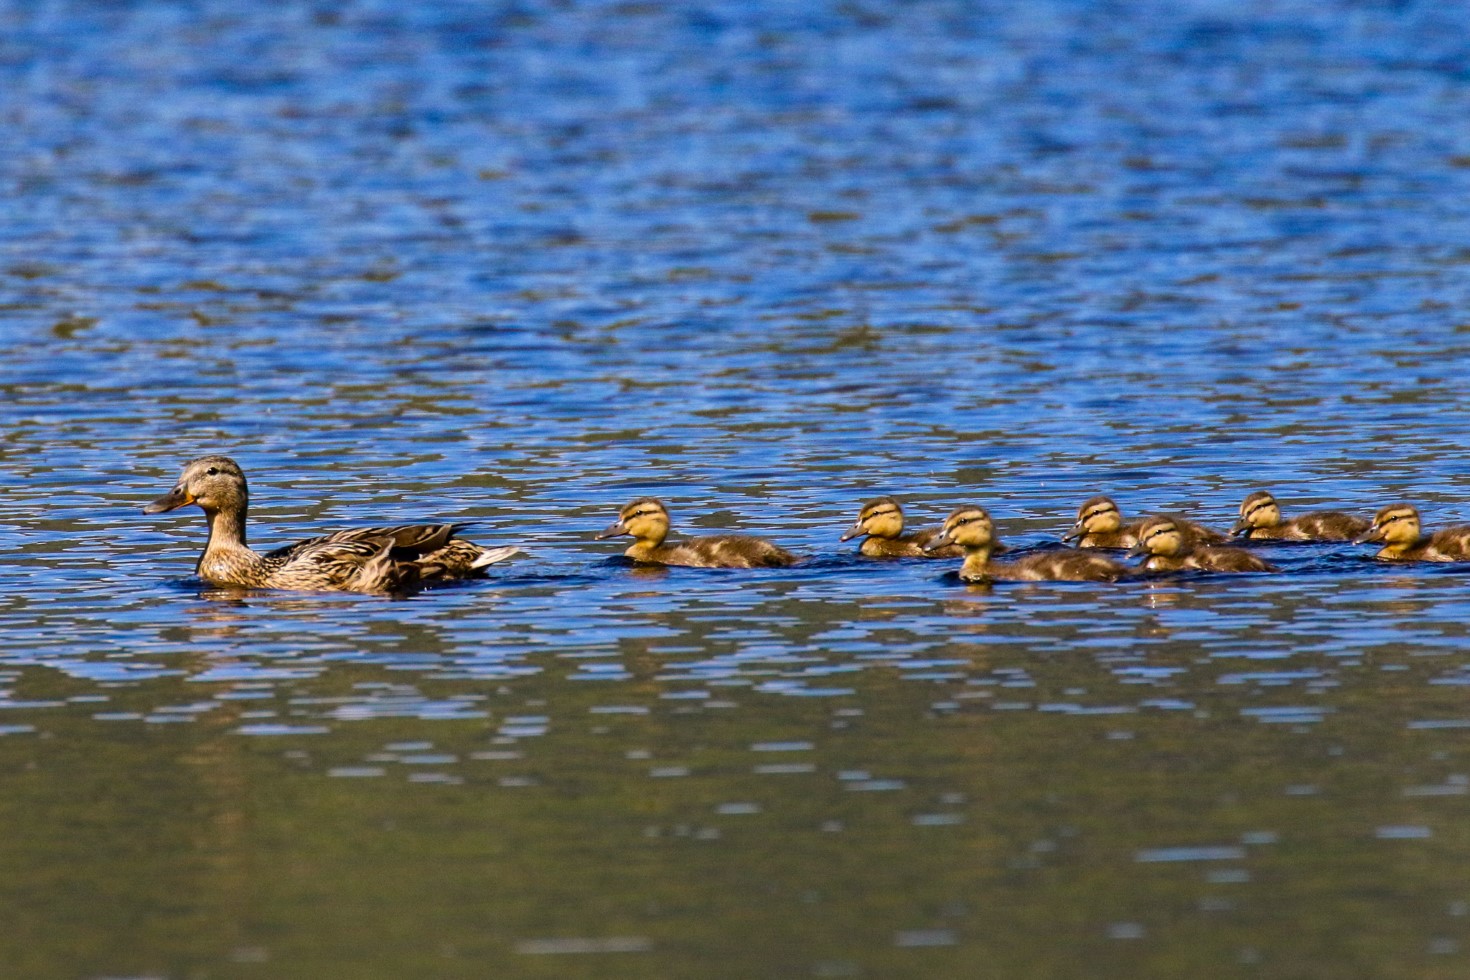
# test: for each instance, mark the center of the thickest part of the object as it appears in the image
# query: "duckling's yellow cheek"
(641, 527)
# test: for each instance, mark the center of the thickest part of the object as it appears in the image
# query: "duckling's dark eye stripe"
(1259, 505)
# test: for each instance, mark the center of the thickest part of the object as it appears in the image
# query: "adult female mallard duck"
(1397, 526)
(1260, 520)
(1166, 548)
(647, 521)
(367, 559)
(881, 520)
(972, 529)
(1101, 525)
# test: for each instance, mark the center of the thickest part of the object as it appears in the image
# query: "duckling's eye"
(212, 471)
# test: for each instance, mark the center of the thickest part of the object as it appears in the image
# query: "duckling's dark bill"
(611, 531)
(173, 500)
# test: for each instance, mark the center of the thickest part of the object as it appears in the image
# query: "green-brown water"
(519, 264)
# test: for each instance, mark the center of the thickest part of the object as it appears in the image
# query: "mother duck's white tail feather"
(490, 556)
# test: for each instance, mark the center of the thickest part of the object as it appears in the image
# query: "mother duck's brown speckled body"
(369, 559)
(647, 521)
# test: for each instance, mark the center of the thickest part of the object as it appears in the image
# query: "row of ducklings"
(1166, 543)
(407, 556)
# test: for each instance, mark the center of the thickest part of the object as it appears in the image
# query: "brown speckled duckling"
(647, 520)
(1101, 525)
(1260, 520)
(972, 529)
(1397, 526)
(368, 559)
(881, 519)
(1168, 549)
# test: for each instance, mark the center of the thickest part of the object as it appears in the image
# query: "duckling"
(1101, 525)
(647, 520)
(1397, 526)
(972, 529)
(881, 519)
(1260, 520)
(1168, 549)
(367, 559)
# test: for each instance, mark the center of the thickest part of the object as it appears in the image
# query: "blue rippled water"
(518, 263)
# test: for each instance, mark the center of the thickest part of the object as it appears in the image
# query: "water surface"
(517, 264)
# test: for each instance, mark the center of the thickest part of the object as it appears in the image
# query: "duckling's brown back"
(1119, 540)
(1216, 559)
(1064, 566)
(1451, 543)
(725, 551)
(1325, 525)
(922, 539)
(1196, 533)
(908, 546)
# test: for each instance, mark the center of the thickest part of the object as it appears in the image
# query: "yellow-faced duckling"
(1397, 526)
(367, 559)
(1101, 525)
(647, 520)
(972, 529)
(1260, 520)
(881, 520)
(1168, 549)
